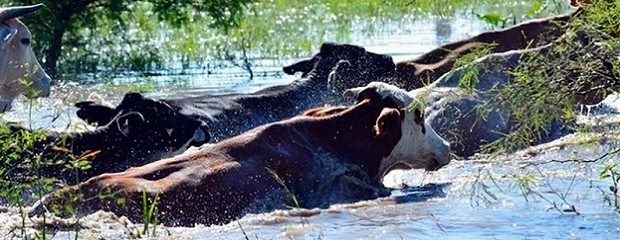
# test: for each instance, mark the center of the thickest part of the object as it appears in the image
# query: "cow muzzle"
(442, 157)
(40, 87)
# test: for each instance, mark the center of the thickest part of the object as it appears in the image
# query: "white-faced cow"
(20, 72)
(339, 157)
(470, 120)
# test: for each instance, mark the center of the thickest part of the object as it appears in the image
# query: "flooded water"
(518, 196)
(452, 204)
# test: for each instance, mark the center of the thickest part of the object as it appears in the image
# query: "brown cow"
(424, 69)
(428, 67)
(507, 46)
(341, 157)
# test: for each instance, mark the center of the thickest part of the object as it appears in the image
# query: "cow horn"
(15, 12)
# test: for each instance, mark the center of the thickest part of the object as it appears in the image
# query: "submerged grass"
(559, 188)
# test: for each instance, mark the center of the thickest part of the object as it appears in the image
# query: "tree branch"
(601, 157)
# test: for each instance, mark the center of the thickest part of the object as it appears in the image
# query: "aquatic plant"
(20, 169)
(245, 235)
(581, 64)
(149, 215)
(281, 182)
(611, 172)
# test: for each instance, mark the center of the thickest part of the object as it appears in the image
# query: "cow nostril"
(45, 92)
(42, 87)
(5, 105)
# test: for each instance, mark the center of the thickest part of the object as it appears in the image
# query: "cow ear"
(369, 93)
(362, 93)
(328, 48)
(352, 93)
(6, 33)
(128, 123)
(303, 66)
(92, 112)
(389, 120)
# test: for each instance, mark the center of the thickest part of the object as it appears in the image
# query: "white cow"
(20, 72)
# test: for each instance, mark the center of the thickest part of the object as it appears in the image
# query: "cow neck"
(268, 105)
(350, 135)
(314, 86)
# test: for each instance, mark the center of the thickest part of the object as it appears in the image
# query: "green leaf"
(120, 201)
(608, 170)
(492, 18)
(535, 9)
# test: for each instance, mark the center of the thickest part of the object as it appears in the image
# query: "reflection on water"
(443, 30)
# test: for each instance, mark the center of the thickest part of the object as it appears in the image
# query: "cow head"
(20, 72)
(94, 113)
(420, 146)
(150, 124)
(345, 66)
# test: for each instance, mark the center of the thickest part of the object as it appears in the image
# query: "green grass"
(149, 215)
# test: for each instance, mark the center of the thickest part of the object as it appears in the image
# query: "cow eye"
(25, 41)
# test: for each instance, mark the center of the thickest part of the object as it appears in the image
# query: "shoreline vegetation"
(141, 43)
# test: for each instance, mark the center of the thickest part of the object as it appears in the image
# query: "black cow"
(232, 114)
(140, 131)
